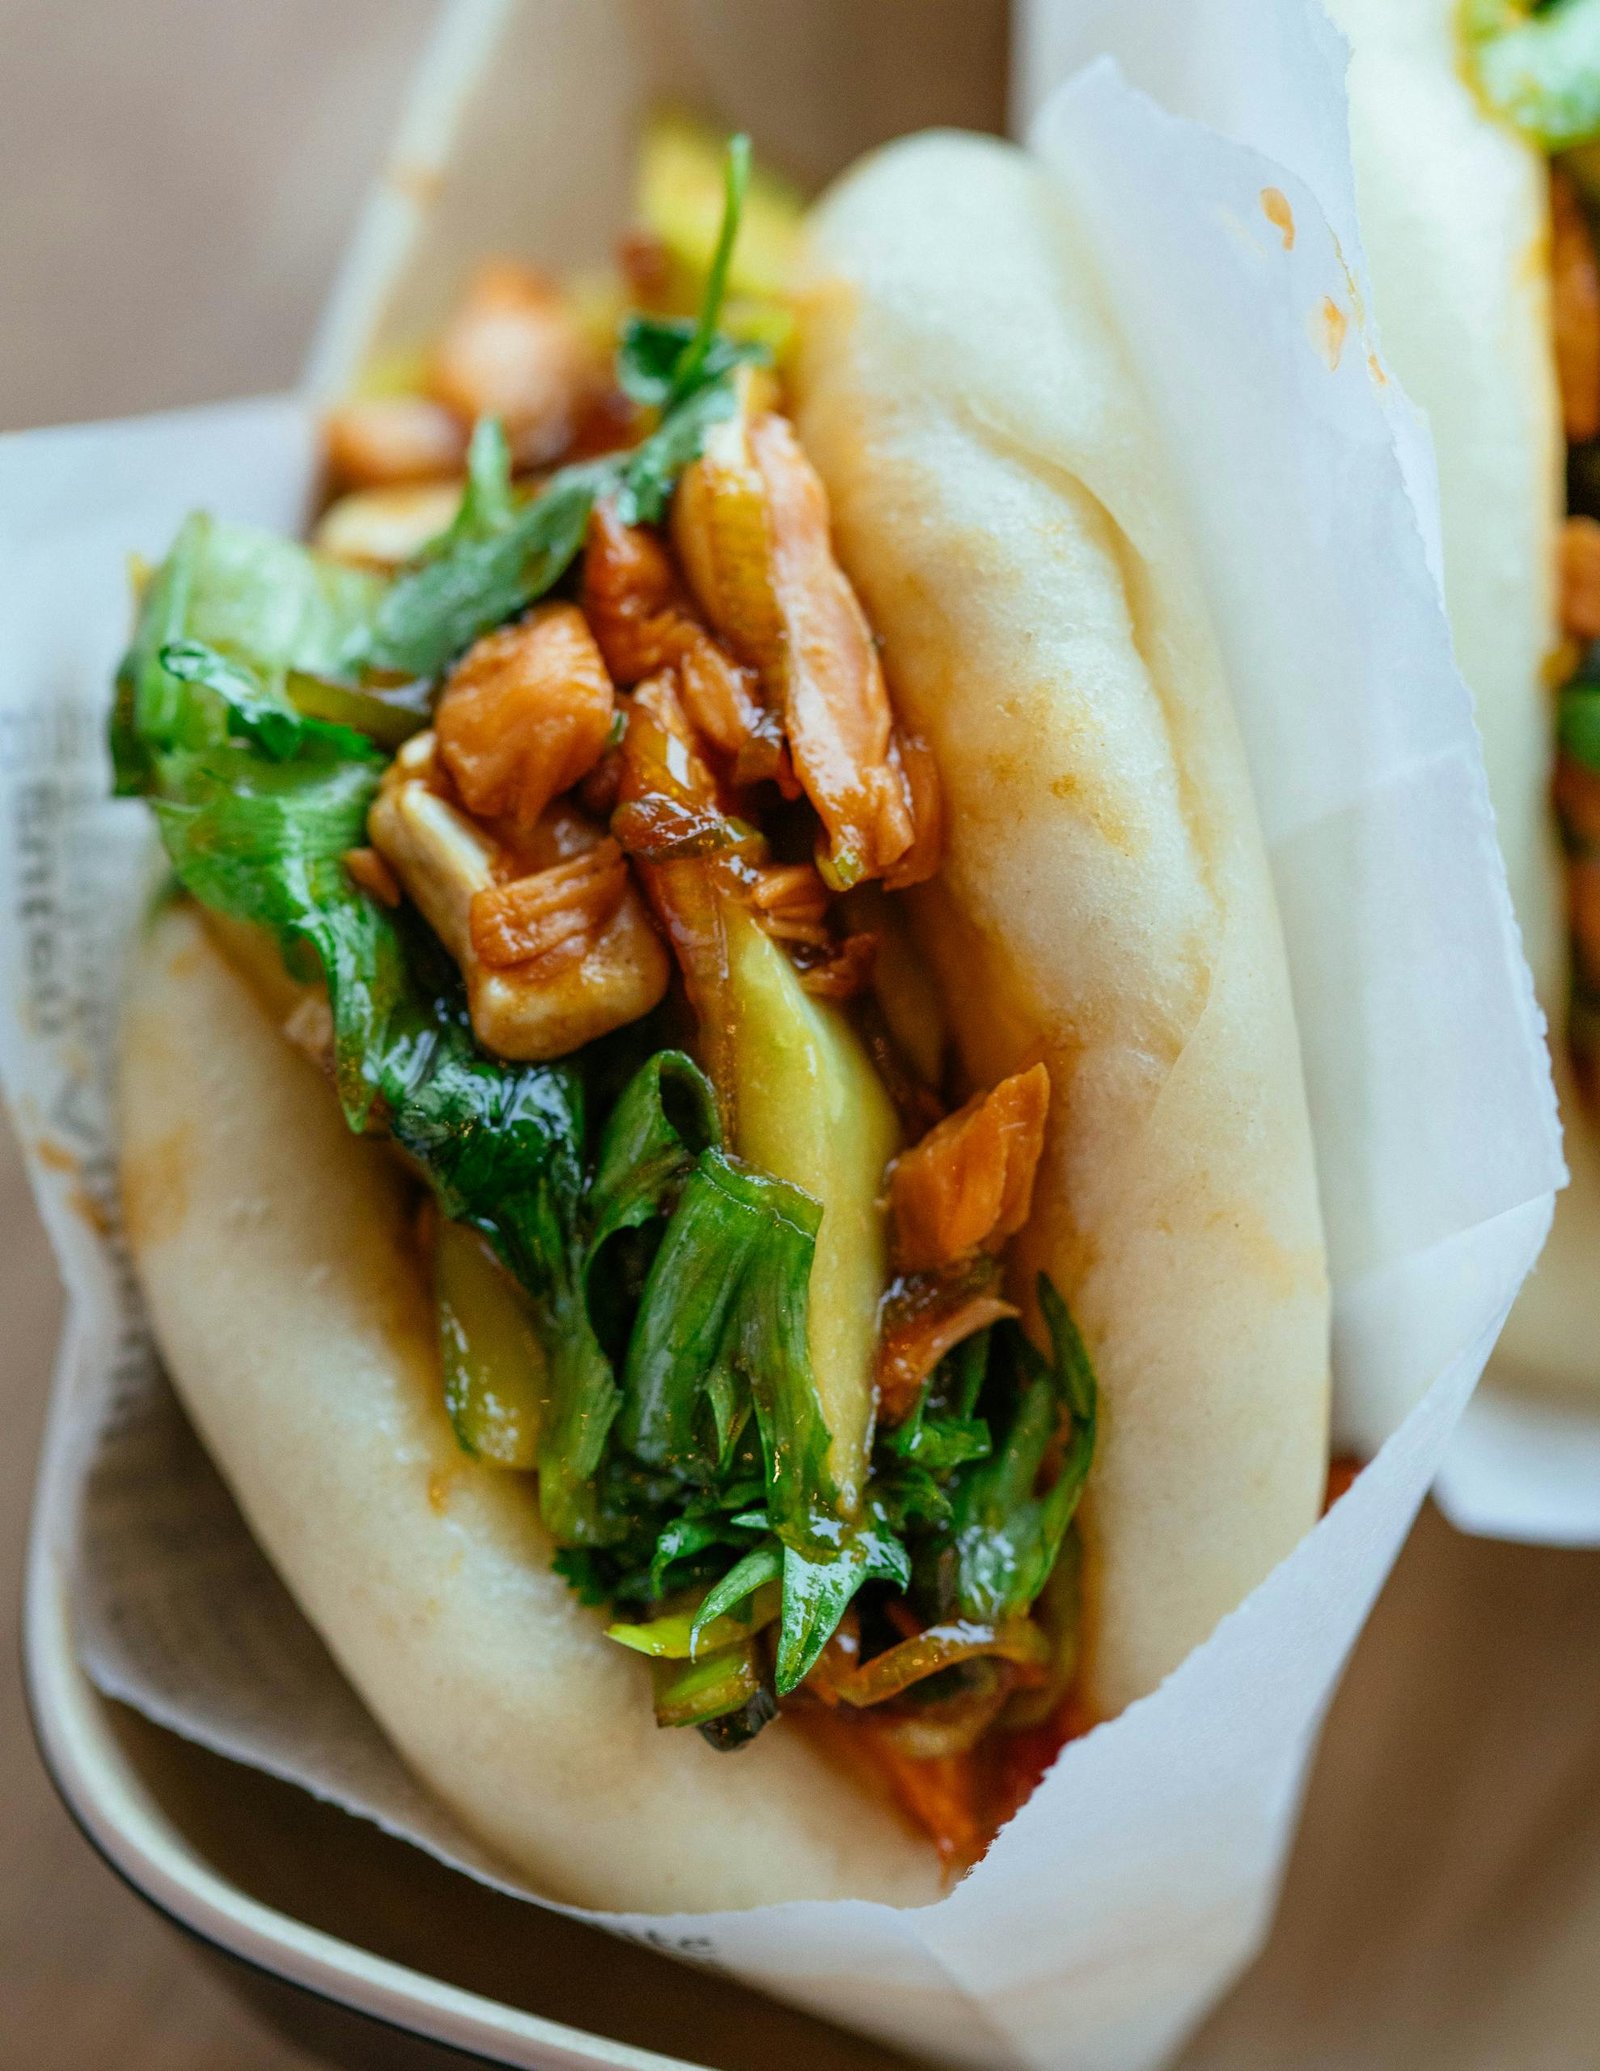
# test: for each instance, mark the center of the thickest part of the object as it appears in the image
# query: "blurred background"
(177, 181)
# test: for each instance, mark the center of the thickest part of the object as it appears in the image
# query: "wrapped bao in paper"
(1457, 216)
(1139, 1877)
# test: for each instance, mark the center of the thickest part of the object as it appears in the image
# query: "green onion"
(696, 1692)
(680, 1636)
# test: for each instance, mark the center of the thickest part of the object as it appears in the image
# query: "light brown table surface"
(177, 178)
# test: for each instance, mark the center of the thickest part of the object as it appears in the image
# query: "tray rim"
(121, 1820)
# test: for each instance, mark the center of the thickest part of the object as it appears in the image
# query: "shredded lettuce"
(256, 600)
(258, 708)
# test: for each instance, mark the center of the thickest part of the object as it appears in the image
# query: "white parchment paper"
(1140, 1877)
(1522, 1466)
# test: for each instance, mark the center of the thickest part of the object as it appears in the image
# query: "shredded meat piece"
(924, 1316)
(542, 1007)
(921, 860)
(940, 1795)
(512, 351)
(1575, 282)
(669, 803)
(630, 597)
(968, 1185)
(561, 909)
(671, 822)
(844, 972)
(384, 441)
(1580, 578)
(720, 699)
(373, 875)
(791, 902)
(750, 520)
(525, 714)
(640, 616)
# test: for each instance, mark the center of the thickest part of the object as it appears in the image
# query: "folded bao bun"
(1455, 219)
(293, 1312)
(1104, 902)
(1105, 906)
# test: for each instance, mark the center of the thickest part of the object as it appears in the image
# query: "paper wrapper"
(1522, 1465)
(1140, 1877)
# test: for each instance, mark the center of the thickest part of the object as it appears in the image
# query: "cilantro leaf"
(649, 474)
(474, 578)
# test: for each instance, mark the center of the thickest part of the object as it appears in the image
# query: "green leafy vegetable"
(258, 710)
(760, 1570)
(666, 1116)
(388, 718)
(691, 371)
(1538, 66)
(645, 482)
(475, 579)
(649, 355)
(488, 504)
(943, 1431)
(708, 1525)
(255, 599)
(721, 1327)
(1578, 727)
(678, 1637)
(725, 1686)
(817, 1593)
(1006, 1537)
